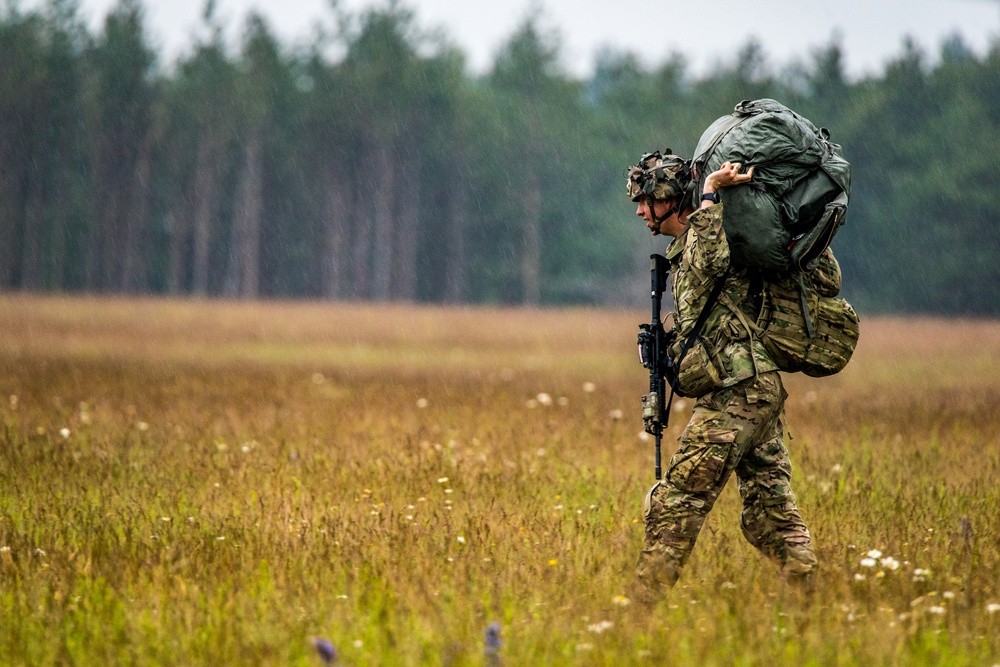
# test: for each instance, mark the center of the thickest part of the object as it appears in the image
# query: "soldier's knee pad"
(647, 502)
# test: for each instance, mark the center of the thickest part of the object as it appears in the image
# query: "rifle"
(653, 343)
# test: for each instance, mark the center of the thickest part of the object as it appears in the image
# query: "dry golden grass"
(233, 479)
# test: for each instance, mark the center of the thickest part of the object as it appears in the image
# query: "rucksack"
(803, 325)
(788, 214)
(780, 225)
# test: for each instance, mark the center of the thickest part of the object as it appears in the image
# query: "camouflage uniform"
(737, 427)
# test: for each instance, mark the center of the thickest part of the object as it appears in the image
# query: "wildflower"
(491, 639)
(889, 563)
(442, 480)
(39, 552)
(868, 562)
(409, 517)
(245, 448)
(859, 577)
(358, 643)
(142, 426)
(64, 432)
(220, 538)
(449, 491)
(598, 628)
(836, 468)
(621, 601)
(616, 414)
(540, 451)
(728, 585)
(588, 387)
(874, 553)
(164, 518)
(680, 405)
(948, 595)
(991, 608)
(936, 609)
(460, 539)
(422, 403)
(4, 549)
(921, 574)
(326, 650)
(553, 562)
(544, 399)
(643, 436)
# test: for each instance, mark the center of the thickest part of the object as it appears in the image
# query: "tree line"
(370, 165)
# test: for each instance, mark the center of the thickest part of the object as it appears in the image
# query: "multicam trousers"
(738, 429)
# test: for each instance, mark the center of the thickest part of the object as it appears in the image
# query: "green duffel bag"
(788, 214)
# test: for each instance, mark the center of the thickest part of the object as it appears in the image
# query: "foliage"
(370, 165)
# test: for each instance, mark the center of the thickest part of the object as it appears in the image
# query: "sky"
(707, 33)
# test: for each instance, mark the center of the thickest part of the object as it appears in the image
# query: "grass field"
(213, 483)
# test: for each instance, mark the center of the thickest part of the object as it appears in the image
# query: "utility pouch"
(700, 371)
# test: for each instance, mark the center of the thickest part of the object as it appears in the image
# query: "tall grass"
(190, 483)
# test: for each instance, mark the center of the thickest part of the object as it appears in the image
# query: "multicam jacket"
(697, 258)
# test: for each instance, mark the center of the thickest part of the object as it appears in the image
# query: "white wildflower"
(589, 387)
(889, 563)
(621, 601)
(868, 562)
(442, 480)
(544, 399)
(874, 553)
(460, 539)
(598, 628)
(616, 414)
(936, 609)
(142, 426)
(64, 432)
(921, 574)
(422, 403)
(991, 608)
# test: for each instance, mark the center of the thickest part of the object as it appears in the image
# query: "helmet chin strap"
(659, 220)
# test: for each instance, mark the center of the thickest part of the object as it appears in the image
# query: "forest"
(369, 165)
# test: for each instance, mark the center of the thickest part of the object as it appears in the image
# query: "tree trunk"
(243, 279)
(407, 236)
(531, 250)
(455, 261)
(204, 199)
(336, 217)
(384, 191)
(136, 222)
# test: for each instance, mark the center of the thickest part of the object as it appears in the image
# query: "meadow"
(195, 482)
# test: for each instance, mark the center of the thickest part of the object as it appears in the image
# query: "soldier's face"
(652, 210)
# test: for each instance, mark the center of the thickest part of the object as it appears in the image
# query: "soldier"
(737, 420)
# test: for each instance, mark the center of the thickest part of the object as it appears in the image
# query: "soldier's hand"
(728, 174)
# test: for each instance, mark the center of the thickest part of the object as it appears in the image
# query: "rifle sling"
(702, 318)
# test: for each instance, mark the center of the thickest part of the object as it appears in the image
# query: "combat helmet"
(659, 176)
